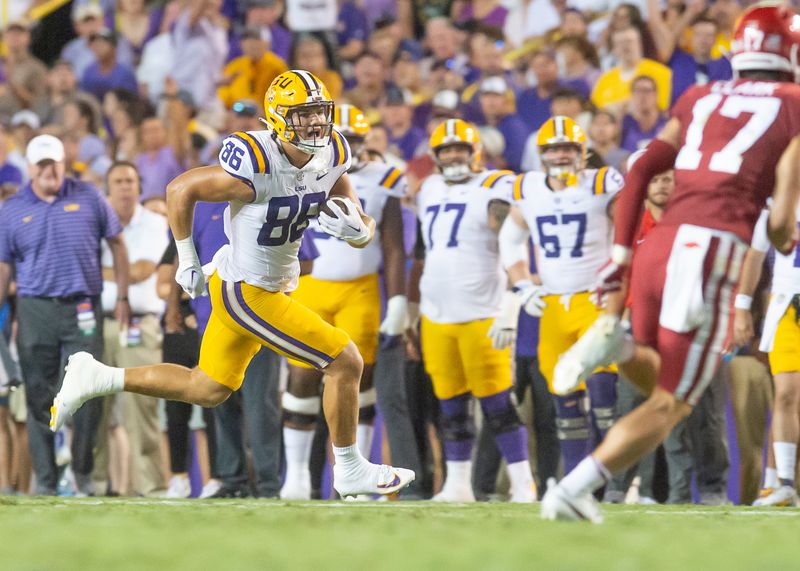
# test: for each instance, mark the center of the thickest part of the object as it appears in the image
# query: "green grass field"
(66, 534)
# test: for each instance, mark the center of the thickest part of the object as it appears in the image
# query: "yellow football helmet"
(560, 131)
(349, 120)
(292, 99)
(456, 132)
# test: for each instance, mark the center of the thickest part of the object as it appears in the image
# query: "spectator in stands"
(22, 85)
(490, 13)
(534, 19)
(266, 16)
(566, 102)
(442, 42)
(23, 127)
(496, 99)
(317, 16)
(158, 57)
(158, 163)
(200, 38)
(533, 104)
(352, 30)
(578, 63)
(725, 12)
(397, 113)
(136, 23)
(698, 67)
(106, 73)
(138, 341)
(249, 76)
(10, 174)
(81, 122)
(644, 119)
(370, 85)
(123, 111)
(62, 87)
(625, 15)
(612, 89)
(309, 53)
(87, 19)
(604, 133)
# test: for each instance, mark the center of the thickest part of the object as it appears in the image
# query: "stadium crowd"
(140, 91)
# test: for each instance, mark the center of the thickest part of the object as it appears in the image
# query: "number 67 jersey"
(463, 279)
(571, 228)
(265, 234)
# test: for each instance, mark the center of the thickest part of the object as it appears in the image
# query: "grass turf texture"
(119, 534)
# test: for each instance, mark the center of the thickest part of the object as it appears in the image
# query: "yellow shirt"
(612, 88)
(250, 80)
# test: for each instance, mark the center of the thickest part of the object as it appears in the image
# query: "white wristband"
(186, 250)
(743, 301)
(621, 255)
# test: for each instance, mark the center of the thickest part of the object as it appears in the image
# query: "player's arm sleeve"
(513, 241)
(242, 158)
(658, 157)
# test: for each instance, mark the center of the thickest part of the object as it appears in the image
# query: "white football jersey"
(570, 228)
(463, 279)
(265, 234)
(374, 183)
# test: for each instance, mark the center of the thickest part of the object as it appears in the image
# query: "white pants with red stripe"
(682, 286)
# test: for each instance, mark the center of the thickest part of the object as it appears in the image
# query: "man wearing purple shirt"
(496, 100)
(158, 164)
(50, 234)
(698, 67)
(107, 72)
(644, 119)
(398, 113)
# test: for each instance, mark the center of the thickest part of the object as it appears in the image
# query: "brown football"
(339, 200)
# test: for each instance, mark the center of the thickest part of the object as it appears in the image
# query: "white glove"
(396, 319)
(349, 227)
(530, 296)
(503, 330)
(190, 273)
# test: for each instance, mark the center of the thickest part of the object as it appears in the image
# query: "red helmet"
(767, 37)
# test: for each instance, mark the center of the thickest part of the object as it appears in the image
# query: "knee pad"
(571, 420)
(301, 411)
(499, 412)
(366, 405)
(457, 422)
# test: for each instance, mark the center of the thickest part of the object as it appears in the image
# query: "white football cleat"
(557, 504)
(784, 496)
(598, 347)
(370, 478)
(298, 487)
(455, 494)
(524, 496)
(85, 379)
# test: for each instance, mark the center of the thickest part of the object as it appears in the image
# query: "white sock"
(587, 476)
(771, 478)
(785, 459)
(520, 475)
(348, 457)
(364, 434)
(459, 474)
(298, 449)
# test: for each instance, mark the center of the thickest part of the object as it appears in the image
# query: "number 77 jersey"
(463, 279)
(570, 228)
(732, 135)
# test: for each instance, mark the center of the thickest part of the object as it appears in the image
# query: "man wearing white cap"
(50, 233)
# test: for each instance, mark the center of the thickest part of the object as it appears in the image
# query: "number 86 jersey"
(265, 234)
(463, 279)
(570, 228)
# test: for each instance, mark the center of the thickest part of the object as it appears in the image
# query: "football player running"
(343, 288)
(732, 144)
(275, 181)
(461, 289)
(781, 340)
(567, 211)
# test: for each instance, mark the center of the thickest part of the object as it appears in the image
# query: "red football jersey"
(733, 134)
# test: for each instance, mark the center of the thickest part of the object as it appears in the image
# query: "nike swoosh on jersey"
(319, 176)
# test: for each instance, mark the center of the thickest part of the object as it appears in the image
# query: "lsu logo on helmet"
(456, 132)
(561, 131)
(299, 109)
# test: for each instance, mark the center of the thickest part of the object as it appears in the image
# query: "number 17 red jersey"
(733, 134)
